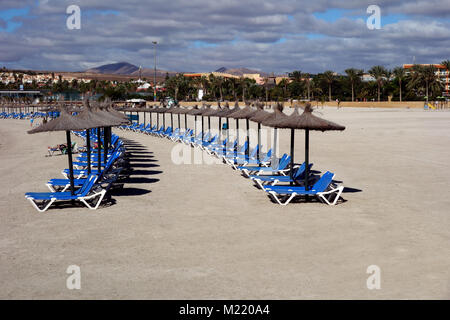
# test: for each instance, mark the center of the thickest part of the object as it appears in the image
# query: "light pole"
(154, 79)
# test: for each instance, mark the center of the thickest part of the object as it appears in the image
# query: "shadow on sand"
(137, 156)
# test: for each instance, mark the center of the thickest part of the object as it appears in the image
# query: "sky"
(203, 35)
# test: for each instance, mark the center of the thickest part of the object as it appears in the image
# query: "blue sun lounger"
(282, 168)
(150, 130)
(232, 160)
(265, 161)
(323, 189)
(263, 180)
(42, 201)
(208, 142)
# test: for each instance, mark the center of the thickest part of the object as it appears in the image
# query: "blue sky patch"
(331, 15)
(9, 15)
(203, 44)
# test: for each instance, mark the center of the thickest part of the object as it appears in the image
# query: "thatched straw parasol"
(112, 121)
(207, 111)
(261, 117)
(224, 112)
(177, 110)
(171, 111)
(161, 110)
(66, 122)
(246, 114)
(306, 121)
(195, 111)
(88, 115)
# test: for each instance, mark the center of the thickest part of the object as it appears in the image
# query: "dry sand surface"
(204, 232)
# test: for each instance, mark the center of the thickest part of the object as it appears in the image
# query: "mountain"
(125, 68)
(150, 73)
(115, 68)
(240, 71)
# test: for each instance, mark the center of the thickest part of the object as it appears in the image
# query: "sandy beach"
(202, 231)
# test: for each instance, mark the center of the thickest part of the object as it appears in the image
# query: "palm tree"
(244, 82)
(329, 78)
(219, 84)
(353, 75)
(424, 77)
(400, 75)
(266, 87)
(296, 75)
(233, 84)
(284, 83)
(307, 79)
(204, 83)
(380, 74)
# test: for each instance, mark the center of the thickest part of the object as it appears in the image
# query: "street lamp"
(154, 79)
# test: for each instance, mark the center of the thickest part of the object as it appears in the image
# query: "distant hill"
(114, 68)
(240, 71)
(149, 73)
(125, 68)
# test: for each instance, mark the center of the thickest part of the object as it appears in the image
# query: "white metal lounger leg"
(323, 198)
(50, 187)
(101, 194)
(39, 209)
(258, 183)
(273, 194)
(246, 173)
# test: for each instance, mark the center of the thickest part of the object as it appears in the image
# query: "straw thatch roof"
(195, 111)
(65, 122)
(90, 116)
(275, 117)
(308, 121)
(116, 113)
(245, 113)
(109, 117)
(212, 112)
(261, 115)
(223, 111)
(183, 110)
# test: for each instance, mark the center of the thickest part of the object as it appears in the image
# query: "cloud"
(202, 35)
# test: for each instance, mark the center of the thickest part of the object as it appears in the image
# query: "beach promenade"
(205, 232)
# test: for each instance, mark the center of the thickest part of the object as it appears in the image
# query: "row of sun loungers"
(92, 187)
(28, 115)
(266, 173)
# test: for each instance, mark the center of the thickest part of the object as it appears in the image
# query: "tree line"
(416, 84)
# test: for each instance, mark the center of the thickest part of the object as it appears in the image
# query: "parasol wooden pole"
(209, 124)
(292, 157)
(237, 137)
(195, 126)
(105, 145)
(259, 144)
(202, 130)
(306, 159)
(228, 134)
(69, 153)
(248, 138)
(99, 151)
(88, 144)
